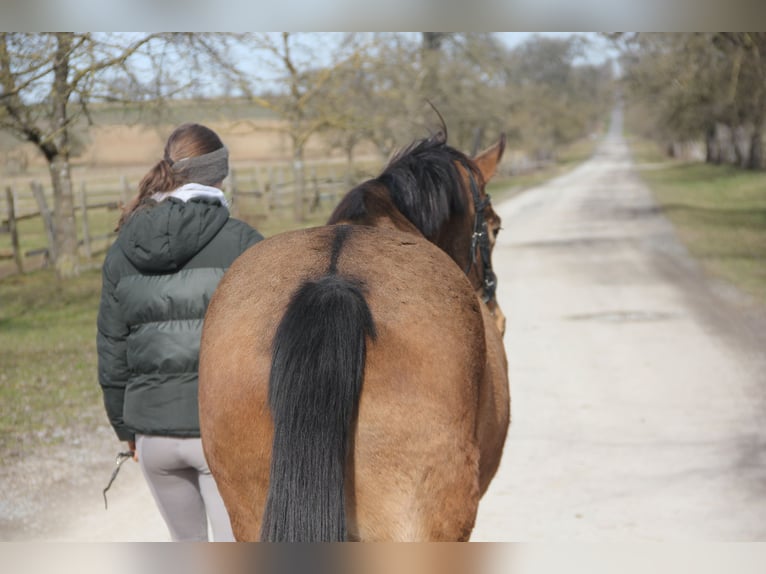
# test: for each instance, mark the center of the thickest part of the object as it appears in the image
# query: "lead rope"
(121, 458)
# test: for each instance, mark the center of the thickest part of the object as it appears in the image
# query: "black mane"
(423, 182)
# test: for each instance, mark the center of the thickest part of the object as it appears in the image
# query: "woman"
(175, 241)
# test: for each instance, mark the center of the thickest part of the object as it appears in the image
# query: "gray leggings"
(183, 487)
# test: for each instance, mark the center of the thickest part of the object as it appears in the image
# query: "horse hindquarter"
(413, 468)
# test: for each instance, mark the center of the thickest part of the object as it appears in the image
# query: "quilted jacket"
(158, 278)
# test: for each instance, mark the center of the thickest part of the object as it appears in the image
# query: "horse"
(352, 377)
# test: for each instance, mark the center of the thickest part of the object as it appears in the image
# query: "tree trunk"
(349, 175)
(755, 158)
(66, 263)
(712, 146)
(738, 138)
(299, 177)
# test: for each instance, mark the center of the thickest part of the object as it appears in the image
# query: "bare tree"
(48, 82)
(377, 95)
(705, 86)
(554, 98)
(747, 56)
(303, 65)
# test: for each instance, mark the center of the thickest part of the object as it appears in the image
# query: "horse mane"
(423, 182)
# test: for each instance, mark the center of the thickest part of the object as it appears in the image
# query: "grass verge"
(48, 382)
(718, 211)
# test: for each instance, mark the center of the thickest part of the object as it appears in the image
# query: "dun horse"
(353, 381)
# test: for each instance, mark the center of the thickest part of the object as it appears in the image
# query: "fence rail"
(254, 194)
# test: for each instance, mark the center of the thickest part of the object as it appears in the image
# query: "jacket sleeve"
(111, 343)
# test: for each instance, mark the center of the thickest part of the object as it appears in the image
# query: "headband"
(207, 169)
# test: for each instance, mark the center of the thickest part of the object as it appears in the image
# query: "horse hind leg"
(449, 509)
(439, 504)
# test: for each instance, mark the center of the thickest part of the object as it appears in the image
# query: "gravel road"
(638, 390)
(638, 385)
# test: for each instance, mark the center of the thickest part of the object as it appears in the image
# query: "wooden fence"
(255, 195)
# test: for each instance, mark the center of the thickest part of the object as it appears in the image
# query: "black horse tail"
(316, 376)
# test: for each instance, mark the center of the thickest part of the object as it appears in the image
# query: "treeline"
(699, 87)
(379, 88)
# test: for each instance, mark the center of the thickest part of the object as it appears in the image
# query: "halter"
(480, 240)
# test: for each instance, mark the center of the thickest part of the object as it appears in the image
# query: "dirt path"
(637, 385)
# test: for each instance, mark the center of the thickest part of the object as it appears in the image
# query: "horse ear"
(488, 159)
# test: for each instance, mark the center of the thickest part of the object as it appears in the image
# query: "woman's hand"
(132, 448)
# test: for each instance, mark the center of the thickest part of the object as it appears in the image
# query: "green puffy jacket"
(158, 278)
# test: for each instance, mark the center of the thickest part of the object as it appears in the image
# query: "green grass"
(719, 213)
(48, 352)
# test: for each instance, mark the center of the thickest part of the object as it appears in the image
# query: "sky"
(391, 15)
(597, 52)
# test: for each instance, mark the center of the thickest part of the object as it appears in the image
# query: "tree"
(378, 95)
(48, 82)
(472, 96)
(302, 79)
(701, 86)
(555, 100)
(747, 55)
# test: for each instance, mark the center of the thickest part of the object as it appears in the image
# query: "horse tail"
(316, 376)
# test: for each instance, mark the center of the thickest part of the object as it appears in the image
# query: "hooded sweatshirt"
(158, 278)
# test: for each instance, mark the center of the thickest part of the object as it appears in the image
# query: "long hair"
(187, 140)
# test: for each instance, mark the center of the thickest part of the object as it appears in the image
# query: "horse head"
(486, 226)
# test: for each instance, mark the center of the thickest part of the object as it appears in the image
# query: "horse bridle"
(480, 240)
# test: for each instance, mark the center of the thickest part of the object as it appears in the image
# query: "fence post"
(124, 191)
(13, 229)
(262, 186)
(299, 190)
(231, 188)
(280, 186)
(85, 226)
(317, 197)
(37, 190)
(268, 189)
(339, 186)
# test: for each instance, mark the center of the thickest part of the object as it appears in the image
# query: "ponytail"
(160, 178)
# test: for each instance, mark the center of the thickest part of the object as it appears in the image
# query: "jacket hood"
(165, 236)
